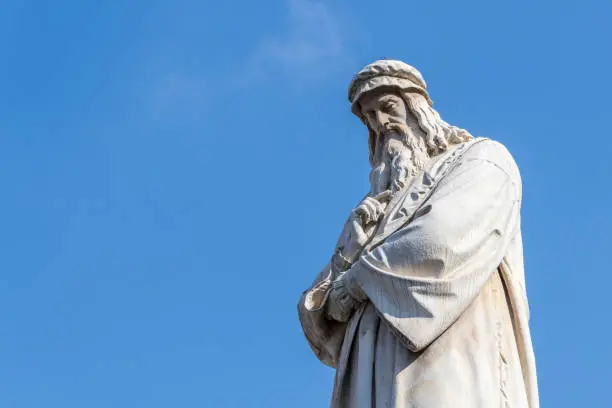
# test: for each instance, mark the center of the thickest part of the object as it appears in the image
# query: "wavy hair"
(439, 135)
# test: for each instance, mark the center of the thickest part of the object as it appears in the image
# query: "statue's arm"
(324, 335)
(318, 307)
(425, 275)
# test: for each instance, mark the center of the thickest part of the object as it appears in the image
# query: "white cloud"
(309, 45)
(312, 46)
(314, 36)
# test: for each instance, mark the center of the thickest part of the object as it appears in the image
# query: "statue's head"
(391, 99)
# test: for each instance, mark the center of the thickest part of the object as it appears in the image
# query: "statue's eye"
(388, 106)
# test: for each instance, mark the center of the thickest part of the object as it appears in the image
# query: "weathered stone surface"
(423, 302)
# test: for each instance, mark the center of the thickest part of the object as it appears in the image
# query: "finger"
(372, 211)
(379, 209)
(365, 212)
(383, 197)
(398, 174)
(360, 212)
(397, 185)
(376, 209)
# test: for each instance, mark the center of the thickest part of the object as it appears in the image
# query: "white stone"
(423, 303)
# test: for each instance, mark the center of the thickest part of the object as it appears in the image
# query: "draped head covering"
(386, 73)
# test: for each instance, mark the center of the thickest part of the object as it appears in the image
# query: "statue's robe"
(443, 317)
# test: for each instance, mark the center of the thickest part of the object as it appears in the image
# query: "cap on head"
(385, 73)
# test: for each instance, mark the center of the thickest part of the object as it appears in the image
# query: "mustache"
(390, 128)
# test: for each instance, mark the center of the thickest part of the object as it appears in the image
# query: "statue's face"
(381, 109)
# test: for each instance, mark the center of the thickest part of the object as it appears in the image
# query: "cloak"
(442, 313)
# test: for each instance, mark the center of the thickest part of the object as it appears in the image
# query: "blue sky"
(174, 174)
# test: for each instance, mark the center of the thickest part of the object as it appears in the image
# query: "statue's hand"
(361, 225)
(340, 304)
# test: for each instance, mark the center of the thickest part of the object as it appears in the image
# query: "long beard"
(403, 156)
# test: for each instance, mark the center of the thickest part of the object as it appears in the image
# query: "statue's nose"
(382, 120)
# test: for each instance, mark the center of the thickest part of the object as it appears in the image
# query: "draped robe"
(441, 318)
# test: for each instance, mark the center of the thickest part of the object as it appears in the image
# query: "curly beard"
(403, 156)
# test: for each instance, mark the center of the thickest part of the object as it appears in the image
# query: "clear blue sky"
(174, 174)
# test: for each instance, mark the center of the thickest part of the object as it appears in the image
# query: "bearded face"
(399, 149)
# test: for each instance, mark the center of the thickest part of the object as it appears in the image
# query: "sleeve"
(324, 336)
(422, 277)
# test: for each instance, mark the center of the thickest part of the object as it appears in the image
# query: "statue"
(423, 303)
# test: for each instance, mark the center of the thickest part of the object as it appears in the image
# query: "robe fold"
(443, 314)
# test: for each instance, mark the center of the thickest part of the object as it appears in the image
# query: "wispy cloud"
(309, 44)
(315, 35)
(313, 44)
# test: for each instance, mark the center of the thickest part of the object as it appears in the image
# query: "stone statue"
(423, 303)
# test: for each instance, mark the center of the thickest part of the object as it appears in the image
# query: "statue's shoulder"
(493, 152)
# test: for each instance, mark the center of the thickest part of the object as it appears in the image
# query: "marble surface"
(423, 303)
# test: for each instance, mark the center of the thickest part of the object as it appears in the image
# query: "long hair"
(439, 135)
